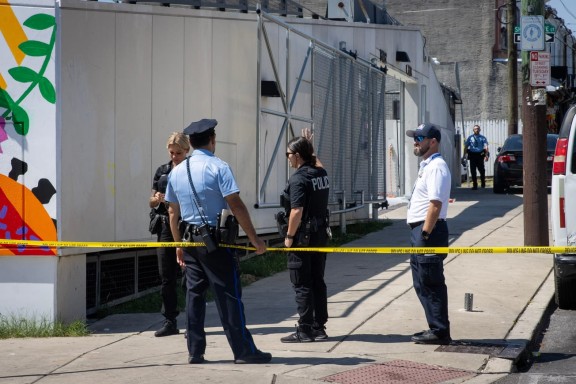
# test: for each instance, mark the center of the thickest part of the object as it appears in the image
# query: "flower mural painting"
(33, 78)
(23, 212)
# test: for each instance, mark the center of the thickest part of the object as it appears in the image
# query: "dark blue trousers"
(219, 271)
(428, 278)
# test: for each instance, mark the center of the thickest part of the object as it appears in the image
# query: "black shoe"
(258, 358)
(196, 359)
(428, 337)
(319, 333)
(421, 333)
(168, 329)
(300, 336)
(474, 187)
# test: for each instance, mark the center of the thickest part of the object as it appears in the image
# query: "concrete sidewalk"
(373, 313)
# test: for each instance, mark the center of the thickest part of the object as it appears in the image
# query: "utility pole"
(534, 138)
(512, 69)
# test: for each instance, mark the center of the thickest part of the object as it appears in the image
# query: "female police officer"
(305, 200)
(178, 146)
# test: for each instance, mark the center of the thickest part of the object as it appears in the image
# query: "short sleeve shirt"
(309, 188)
(476, 143)
(160, 182)
(213, 180)
(433, 183)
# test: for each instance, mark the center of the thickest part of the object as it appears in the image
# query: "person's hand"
(307, 134)
(180, 257)
(160, 197)
(288, 242)
(259, 245)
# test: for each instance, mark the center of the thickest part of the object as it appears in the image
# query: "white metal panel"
(167, 85)
(198, 70)
(133, 122)
(234, 90)
(87, 125)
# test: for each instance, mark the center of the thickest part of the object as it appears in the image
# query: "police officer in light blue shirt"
(476, 146)
(214, 189)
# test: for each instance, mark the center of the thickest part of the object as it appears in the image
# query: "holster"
(229, 233)
(281, 223)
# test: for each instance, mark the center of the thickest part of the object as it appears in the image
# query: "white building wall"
(126, 76)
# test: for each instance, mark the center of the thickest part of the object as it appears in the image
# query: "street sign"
(539, 69)
(517, 38)
(549, 37)
(532, 31)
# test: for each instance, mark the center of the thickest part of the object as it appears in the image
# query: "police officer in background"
(426, 217)
(215, 189)
(178, 146)
(476, 146)
(305, 200)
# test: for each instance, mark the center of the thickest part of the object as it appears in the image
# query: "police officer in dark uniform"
(178, 146)
(305, 200)
(214, 189)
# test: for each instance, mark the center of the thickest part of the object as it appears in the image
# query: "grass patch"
(252, 269)
(13, 326)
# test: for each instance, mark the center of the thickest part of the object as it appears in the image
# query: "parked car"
(508, 168)
(563, 211)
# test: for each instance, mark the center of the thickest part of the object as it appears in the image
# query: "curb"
(530, 323)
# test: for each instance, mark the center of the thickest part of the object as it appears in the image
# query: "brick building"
(470, 33)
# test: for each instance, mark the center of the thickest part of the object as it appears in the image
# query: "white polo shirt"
(433, 183)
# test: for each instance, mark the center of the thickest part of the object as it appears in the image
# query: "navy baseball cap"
(425, 130)
(200, 127)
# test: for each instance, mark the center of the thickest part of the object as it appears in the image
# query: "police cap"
(200, 127)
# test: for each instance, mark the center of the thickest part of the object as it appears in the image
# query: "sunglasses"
(419, 139)
(288, 154)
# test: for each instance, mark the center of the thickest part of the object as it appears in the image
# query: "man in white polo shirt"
(427, 220)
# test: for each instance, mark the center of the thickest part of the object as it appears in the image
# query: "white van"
(563, 211)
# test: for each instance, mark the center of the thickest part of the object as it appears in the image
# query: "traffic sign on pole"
(539, 69)
(532, 32)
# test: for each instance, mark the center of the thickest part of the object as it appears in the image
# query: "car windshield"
(514, 143)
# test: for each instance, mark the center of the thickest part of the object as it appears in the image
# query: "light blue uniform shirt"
(476, 143)
(213, 180)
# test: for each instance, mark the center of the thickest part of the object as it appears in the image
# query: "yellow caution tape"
(409, 250)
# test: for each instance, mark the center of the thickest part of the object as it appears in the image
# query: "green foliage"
(40, 21)
(12, 327)
(265, 265)
(356, 231)
(31, 48)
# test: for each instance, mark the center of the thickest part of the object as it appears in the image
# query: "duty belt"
(419, 223)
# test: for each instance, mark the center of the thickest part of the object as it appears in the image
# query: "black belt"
(419, 223)
(187, 230)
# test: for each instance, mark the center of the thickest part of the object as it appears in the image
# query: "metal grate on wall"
(347, 109)
(115, 277)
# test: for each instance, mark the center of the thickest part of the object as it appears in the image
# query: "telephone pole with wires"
(534, 127)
